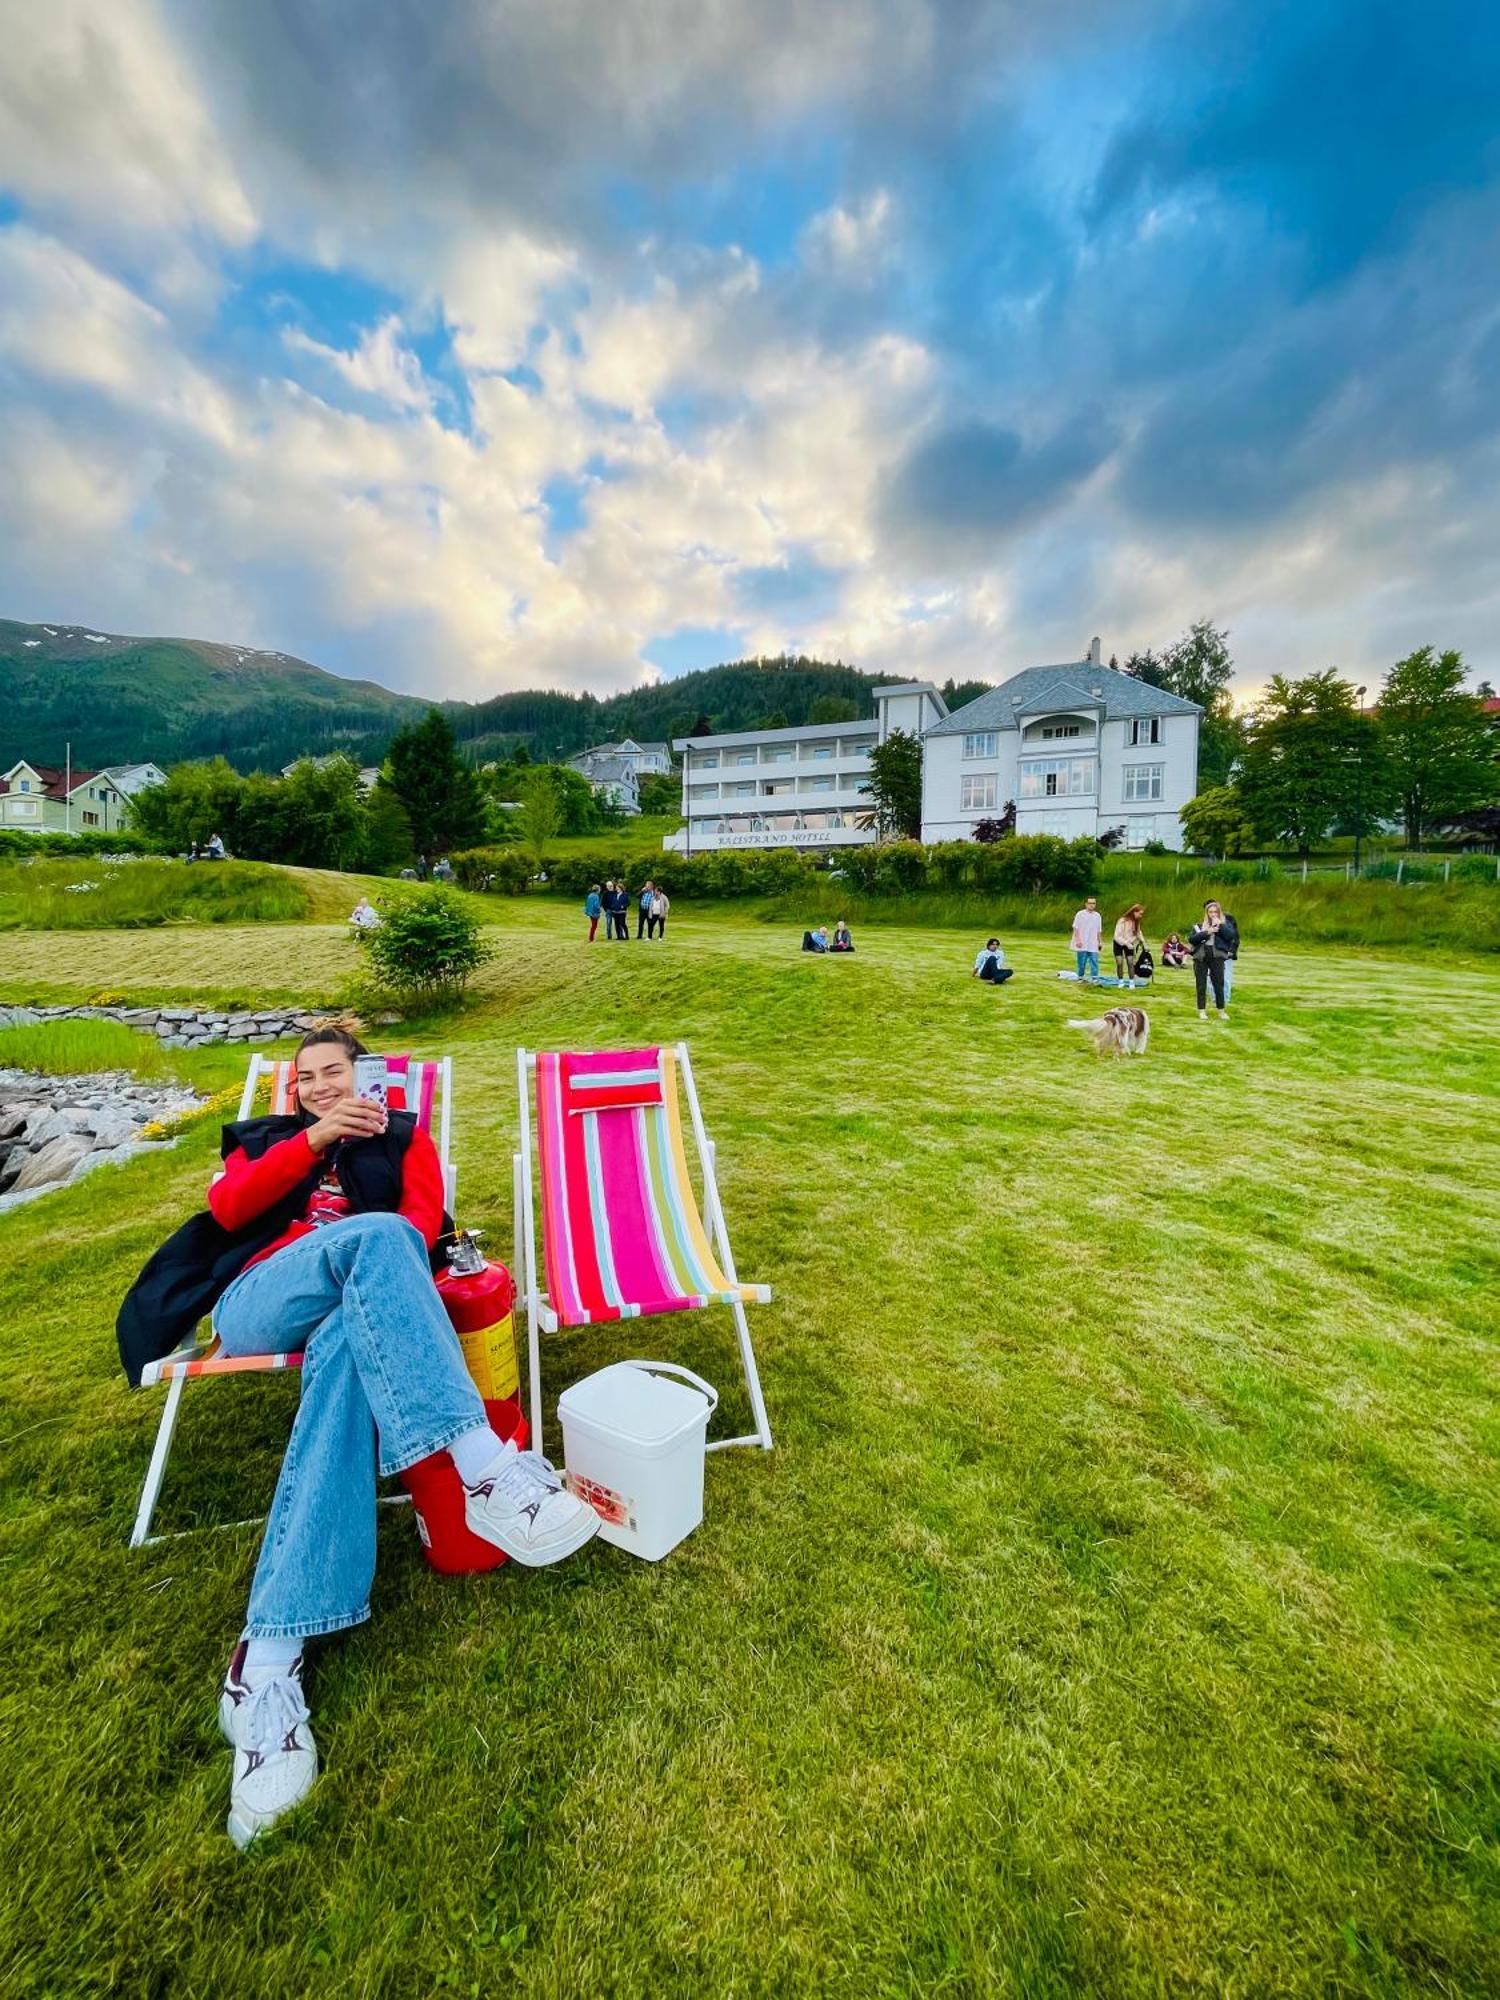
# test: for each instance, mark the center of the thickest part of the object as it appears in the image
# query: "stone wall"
(54, 1128)
(180, 1027)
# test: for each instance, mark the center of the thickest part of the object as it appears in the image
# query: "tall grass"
(1422, 915)
(130, 894)
(79, 1048)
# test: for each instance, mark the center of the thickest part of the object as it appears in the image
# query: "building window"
(863, 747)
(782, 754)
(983, 743)
(91, 819)
(27, 811)
(822, 753)
(744, 758)
(776, 788)
(740, 790)
(1050, 730)
(703, 791)
(1138, 832)
(1146, 729)
(819, 784)
(1142, 783)
(709, 761)
(1057, 778)
(25, 785)
(978, 794)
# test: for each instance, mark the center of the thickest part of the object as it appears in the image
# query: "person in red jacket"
(342, 1204)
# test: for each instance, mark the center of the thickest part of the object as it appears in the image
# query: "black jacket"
(190, 1272)
(1224, 942)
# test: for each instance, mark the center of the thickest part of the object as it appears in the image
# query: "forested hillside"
(119, 700)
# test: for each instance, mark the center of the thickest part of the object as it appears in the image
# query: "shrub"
(426, 949)
(505, 871)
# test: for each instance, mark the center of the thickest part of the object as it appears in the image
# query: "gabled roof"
(611, 771)
(54, 781)
(617, 749)
(1072, 684)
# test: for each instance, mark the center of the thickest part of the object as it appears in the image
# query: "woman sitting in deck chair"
(319, 1238)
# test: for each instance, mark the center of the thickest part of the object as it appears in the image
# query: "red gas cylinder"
(480, 1299)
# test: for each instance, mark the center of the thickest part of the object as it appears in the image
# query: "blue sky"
(468, 346)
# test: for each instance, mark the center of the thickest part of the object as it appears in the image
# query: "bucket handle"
(675, 1368)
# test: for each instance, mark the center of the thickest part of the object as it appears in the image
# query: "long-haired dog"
(1123, 1031)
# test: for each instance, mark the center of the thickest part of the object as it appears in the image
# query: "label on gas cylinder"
(490, 1357)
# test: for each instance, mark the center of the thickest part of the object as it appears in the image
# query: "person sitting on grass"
(816, 940)
(364, 916)
(989, 964)
(842, 941)
(319, 1238)
(1174, 952)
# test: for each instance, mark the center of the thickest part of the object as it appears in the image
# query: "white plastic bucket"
(633, 1445)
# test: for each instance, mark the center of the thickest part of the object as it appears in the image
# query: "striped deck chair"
(422, 1087)
(622, 1233)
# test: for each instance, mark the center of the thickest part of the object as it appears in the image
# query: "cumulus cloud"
(473, 345)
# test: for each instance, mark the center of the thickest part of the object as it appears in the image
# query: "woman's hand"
(350, 1118)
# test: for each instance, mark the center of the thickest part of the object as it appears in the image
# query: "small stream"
(54, 1129)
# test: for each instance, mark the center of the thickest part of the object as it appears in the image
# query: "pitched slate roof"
(1070, 685)
(54, 779)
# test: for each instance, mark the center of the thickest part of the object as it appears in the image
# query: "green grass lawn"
(1117, 1613)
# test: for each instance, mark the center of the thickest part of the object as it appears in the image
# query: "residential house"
(1082, 748)
(639, 758)
(615, 780)
(40, 798)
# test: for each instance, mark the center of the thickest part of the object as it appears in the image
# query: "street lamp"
(1359, 777)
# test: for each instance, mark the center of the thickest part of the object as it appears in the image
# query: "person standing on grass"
(661, 904)
(1213, 944)
(622, 912)
(643, 909)
(592, 906)
(1128, 943)
(319, 1239)
(1088, 928)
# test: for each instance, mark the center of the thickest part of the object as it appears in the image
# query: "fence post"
(1447, 869)
(1400, 869)
(1304, 870)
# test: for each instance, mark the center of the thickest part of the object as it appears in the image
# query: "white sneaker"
(520, 1505)
(275, 1758)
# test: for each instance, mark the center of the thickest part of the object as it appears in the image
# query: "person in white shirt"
(656, 918)
(1088, 928)
(364, 916)
(989, 964)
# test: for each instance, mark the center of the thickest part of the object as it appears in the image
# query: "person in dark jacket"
(318, 1241)
(1214, 943)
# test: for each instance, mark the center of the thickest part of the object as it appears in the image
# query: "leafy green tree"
(540, 817)
(1144, 667)
(385, 842)
(318, 814)
(895, 786)
(1311, 761)
(439, 790)
(426, 948)
(661, 792)
(197, 801)
(833, 708)
(1218, 822)
(1437, 741)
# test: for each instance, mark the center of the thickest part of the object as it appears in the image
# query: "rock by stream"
(55, 1128)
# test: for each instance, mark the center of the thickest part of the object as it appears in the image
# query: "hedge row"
(1026, 864)
(12, 842)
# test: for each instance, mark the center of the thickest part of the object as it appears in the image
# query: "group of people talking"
(612, 901)
(1212, 946)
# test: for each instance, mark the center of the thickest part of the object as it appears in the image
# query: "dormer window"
(1145, 729)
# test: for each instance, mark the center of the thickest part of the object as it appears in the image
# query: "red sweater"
(247, 1188)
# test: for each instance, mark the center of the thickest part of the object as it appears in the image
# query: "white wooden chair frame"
(540, 1316)
(156, 1371)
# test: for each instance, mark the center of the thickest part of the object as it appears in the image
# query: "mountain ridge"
(123, 699)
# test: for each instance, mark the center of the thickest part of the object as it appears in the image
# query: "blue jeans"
(1088, 964)
(1228, 978)
(383, 1385)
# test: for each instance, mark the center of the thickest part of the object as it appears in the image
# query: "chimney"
(1094, 652)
